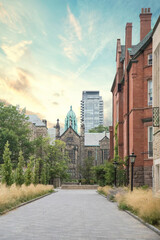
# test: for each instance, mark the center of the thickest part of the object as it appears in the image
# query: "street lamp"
(132, 159)
(115, 173)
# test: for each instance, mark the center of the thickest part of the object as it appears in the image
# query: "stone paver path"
(72, 215)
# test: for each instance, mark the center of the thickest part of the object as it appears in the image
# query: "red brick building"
(132, 99)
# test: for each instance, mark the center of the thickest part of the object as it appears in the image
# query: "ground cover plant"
(12, 196)
(142, 203)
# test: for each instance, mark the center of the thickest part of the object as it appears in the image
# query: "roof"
(122, 57)
(92, 139)
(136, 48)
(36, 120)
(155, 26)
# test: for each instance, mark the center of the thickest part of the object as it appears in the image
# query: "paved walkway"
(72, 215)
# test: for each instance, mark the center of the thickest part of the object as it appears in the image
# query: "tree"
(58, 161)
(19, 178)
(29, 172)
(99, 172)
(7, 177)
(86, 169)
(14, 129)
(99, 129)
(36, 171)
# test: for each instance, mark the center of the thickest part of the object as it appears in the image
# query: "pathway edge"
(25, 203)
(156, 230)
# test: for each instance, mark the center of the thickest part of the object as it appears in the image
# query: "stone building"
(83, 145)
(132, 99)
(38, 127)
(156, 107)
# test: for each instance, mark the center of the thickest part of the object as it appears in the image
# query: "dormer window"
(150, 59)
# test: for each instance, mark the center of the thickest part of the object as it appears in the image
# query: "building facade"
(83, 145)
(156, 107)
(132, 100)
(38, 127)
(91, 109)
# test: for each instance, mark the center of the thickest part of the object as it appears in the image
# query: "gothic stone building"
(83, 145)
(38, 127)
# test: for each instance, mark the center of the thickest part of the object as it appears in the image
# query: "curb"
(156, 230)
(25, 203)
(144, 223)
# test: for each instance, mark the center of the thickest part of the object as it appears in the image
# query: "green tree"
(7, 177)
(15, 129)
(58, 161)
(86, 169)
(19, 177)
(43, 178)
(99, 172)
(99, 129)
(36, 171)
(29, 172)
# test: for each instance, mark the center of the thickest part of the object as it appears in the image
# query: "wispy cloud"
(74, 22)
(15, 52)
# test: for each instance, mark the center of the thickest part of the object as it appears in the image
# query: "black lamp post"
(115, 173)
(132, 159)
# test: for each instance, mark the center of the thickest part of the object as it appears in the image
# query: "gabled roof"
(92, 139)
(72, 130)
(36, 121)
(140, 46)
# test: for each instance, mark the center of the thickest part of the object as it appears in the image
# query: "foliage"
(58, 161)
(143, 203)
(99, 129)
(19, 177)
(13, 196)
(99, 172)
(29, 172)
(15, 130)
(109, 175)
(7, 177)
(86, 169)
(36, 171)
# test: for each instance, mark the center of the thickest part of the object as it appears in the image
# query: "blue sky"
(52, 50)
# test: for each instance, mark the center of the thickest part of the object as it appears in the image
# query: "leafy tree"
(36, 171)
(14, 129)
(58, 161)
(99, 172)
(43, 178)
(7, 177)
(86, 169)
(19, 177)
(29, 172)
(99, 129)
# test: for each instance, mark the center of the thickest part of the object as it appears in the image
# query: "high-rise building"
(91, 109)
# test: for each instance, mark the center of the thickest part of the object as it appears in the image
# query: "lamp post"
(115, 173)
(132, 159)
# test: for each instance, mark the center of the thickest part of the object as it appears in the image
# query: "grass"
(13, 196)
(104, 190)
(142, 203)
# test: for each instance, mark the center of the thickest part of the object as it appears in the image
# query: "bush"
(142, 203)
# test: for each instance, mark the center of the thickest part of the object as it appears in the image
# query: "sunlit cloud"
(15, 52)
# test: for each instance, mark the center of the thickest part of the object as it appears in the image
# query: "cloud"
(55, 103)
(15, 52)
(75, 24)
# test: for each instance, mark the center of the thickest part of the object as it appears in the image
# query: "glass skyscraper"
(91, 109)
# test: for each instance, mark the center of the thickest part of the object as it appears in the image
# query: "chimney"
(45, 122)
(128, 41)
(145, 22)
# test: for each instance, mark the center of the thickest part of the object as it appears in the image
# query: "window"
(89, 153)
(105, 154)
(150, 142)
(149, 92)
(149, 59)
(71, 155)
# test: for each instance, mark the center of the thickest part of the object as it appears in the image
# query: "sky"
(52, 50)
